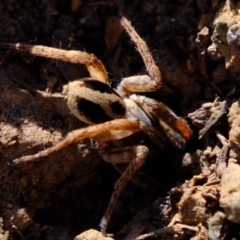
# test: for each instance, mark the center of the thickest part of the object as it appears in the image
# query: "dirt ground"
(192, 193)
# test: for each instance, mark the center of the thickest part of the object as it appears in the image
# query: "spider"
(113, 114)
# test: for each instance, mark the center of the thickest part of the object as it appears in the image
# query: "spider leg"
(165, 116)
(134, 110)
(140, 153)
(94, 66)
(119, 155)
(143, 83)
(80, 134)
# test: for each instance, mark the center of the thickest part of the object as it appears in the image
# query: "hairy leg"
(94, 66)
(142, 83)
(80, 134)
(141, 153)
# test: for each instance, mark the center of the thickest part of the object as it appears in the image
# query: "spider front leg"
(142, 83)
(176, 128)
(137, 156)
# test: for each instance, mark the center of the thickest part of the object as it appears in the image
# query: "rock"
(91, 235)
(230, 192)
(216, 225)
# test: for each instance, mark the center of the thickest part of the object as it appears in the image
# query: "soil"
(191, 193)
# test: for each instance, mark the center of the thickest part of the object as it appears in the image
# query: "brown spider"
(113, 114)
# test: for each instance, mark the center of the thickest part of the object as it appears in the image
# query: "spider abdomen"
(93, 102)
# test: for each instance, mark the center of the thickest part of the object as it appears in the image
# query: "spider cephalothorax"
(113, 114)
